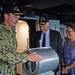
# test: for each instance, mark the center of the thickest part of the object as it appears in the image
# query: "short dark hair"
(72, 25)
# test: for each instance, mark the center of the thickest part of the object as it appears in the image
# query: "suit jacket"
(55, 41)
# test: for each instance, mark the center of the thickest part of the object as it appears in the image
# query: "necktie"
(43, 42)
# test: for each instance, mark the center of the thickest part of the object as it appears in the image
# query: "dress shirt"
(47, 38)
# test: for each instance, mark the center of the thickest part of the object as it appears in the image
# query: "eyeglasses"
(67, 31)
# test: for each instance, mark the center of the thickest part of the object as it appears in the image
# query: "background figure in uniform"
(8, 45)
(52, 38)
(68, 62)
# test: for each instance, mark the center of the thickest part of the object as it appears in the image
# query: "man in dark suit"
(52, 38)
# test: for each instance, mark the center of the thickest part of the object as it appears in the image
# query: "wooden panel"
(22, 35)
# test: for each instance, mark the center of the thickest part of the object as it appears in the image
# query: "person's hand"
(64, 70)
(34, 57)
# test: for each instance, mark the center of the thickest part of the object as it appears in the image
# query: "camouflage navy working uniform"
(8, 55)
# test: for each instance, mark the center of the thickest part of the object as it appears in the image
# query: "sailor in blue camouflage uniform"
(8, 55)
